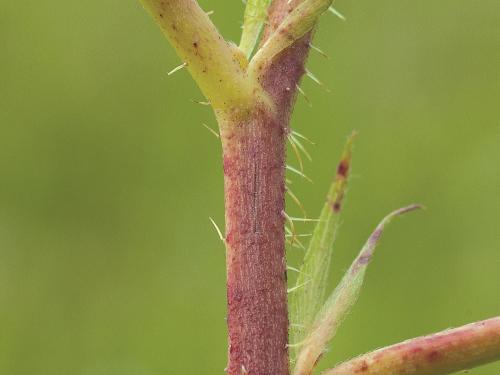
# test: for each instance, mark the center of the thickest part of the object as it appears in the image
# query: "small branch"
(277, 12)
(298, 23)
(216, 65)
(438, 354)
(281, 77)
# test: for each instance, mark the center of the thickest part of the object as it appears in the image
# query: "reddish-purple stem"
(254, 168)
(256, 280)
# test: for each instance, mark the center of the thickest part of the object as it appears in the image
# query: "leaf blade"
(341, 300)
(307, 301)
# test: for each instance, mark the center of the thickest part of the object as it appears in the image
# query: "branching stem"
(253, 101)
(294, 26)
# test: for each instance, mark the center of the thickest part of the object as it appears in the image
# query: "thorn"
(295, 244)
(299, 89)
(316, 79)
(210, 12)
(297, 325)
(337, 13)
(293, 289)
(299, 235)
(294, 241)
(199, 102)
(288, 181)
(303, 219)
(211, 130)
(297, 201)
(243, 370)
(218, 230)
(293, 269)
(176, 69)
(296, 133)
(314, 48)
(301, 147)
(296, 171)
(291, 231)
(299, 344)
(313, 77)
(298, 271)
(296, 151)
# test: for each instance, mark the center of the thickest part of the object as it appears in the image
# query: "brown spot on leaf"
(336, 206)
(343, 168)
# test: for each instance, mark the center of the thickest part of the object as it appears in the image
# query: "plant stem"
(253, 111)
(254, 168)
(441, 353)
(253, 101)
(254, 156)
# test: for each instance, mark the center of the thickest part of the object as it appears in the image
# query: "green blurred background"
(108, 263)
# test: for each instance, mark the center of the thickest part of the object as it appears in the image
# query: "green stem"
(217, 66)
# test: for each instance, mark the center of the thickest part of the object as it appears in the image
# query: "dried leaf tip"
(366, 253)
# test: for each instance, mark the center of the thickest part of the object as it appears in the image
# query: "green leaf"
(253, 24)
(309, 292)
(340, 301)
